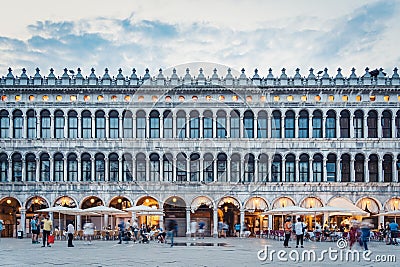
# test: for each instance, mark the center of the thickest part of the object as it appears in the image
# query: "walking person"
(288, 232)
(35, 229)
(121, 227)
(1, 227)
(171, 229)
(299, 229)
(365, 233)
(88, 231)
(47, 226)
(394, 229)
(193, 229)
(71, 232)
(202, 226)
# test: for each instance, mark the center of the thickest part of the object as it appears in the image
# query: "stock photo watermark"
(339, 254)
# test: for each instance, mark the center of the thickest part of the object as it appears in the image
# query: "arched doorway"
(149, 220)
(229, 213)
(280, 203)
(121, 203)
(202, 210)
(32, 205)
(60, 220)
(392, 205)
(10, 214)
(89, 202)
(175, 209)
(312, 219)
(371, 206)
(253, 217)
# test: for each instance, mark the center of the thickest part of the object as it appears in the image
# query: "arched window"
(397, 122)
(373, 168)
(194, 124)
(276, 169)
(114, 124)
(3, 167)
(127, 163)
(235, 168)
(358, 124)
(290, 168)
(45, 167)
(331, 168)
(387, 168)
(168, 124)
(262, 124)
(345, 124)
(86, 124)
(86, 167)
(154, 167)
(372, 123)
(30, 161)
(345, 167)
(99, 170)
(248, 124)
(16, 167)
(127, 124)
(208, 124)
(235, 124)
(359, 168)
(208, 168)
(72, 167)
(100, 124)
(330, 124)
(249, 168)
(303, 124)
(195, 167)
(154, 124)
(59, 124)
(18, 124)
(276, 124)
(317, 124)
(140, 124)
(31, 116)
(317, 168)
(263, 168)
(140, 167)
(221, 167)
(168, 167)
(221, 124)
(58, 167)
(289, 124)
(114, 167)
(386, 124)
(181, 124)
(4, 124)
(181, 167)
(45, 131)
(304, 168)
(72, 124)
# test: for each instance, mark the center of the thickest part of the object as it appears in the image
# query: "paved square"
(188, 252)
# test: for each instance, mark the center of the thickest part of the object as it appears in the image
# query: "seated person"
(327, 233)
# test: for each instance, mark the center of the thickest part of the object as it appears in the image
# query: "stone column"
(93, 173)
(338, 126)
(215, 222)
(188, 168)
(324, 170)
(310, 167)
(106, 169)
(23, 169)
(188, 221)
(147, 168)
(270, 222)
(255, 170)
(134, 178)
(187, 126)
(269, 129)
(107, 130)
(134, 134)
(25, 128)
(79, 126)
(174, 135)
(38, 126)
(161, 135)
(93, 126)
(297, 170)
(283, 178)
(78, 223)
(324, 125)
(161, 178)
(147, 133)
(241, 126)
(51, 215)
(215, 170)
(394, 171)
(201, 126)
(366, 170)
(379, 122)
(296, 126)
(37, 178)
(338, 170)
(214, 125)
(105, 223)
(269, 166)
(310, 126)
(380, 170)
(174, 169)
(241, 221)
(255, 132)
(393, 125)
(23, 221)
(65, 126)
(228, 169)
(120, 169)
(283, 125)
(51, 168)
(79, 169)
(52, 134)
(352, 135)
(352, 170)
(228, 126)
(365, 125)
(120, 126)
(161, 221)
(10, 130)
(201, 170)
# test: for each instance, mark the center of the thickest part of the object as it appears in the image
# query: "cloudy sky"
(166, 33)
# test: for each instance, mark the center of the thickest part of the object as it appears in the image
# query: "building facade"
(213, 149)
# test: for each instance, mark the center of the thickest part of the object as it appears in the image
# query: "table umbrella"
(287, 210)
(59, 209)
(102, 210)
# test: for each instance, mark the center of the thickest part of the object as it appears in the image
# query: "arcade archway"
(229, 213)
(175, 209)
(254, 220)
(149, 220)
(10, 214)
(202, 210)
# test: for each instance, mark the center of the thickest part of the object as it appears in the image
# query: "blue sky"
(163, 34)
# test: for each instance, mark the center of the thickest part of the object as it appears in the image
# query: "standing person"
(288, 231)
(365, 233)
(1, 227)
(171, 229)
(299, 229)
(34, 228)
(237, 229)
(128, 225)
(135, 227)
(88, 231)
(47, 226)
(202, 226)
(225, 229)
(121, 227)
(70, 231)
(353, 235)
(394, 228)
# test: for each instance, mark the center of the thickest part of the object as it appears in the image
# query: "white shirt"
(298, 227)
(71, 229)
